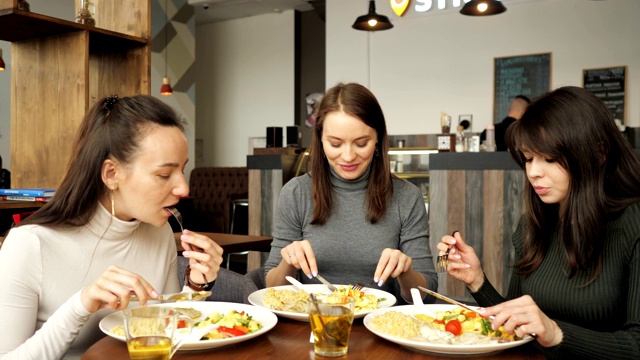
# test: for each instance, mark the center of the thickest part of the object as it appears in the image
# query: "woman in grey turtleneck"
(349, 218)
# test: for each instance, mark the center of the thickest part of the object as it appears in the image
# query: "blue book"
(28, 192)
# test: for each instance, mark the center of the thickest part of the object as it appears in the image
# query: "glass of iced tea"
(330, 317)
(155, 332)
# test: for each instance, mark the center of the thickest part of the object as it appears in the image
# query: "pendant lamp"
(372, 21)
(2, 66)
(166, 89)
(483, 8)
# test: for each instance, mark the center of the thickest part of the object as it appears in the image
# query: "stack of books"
(27, 194)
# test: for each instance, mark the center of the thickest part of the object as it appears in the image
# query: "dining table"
(289, 339)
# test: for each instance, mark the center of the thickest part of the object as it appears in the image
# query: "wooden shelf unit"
(59, 69)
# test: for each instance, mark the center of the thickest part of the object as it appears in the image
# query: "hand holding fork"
(460, 261)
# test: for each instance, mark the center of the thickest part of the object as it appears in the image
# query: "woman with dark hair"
(103, 236)
(576, 282)
(350, 218)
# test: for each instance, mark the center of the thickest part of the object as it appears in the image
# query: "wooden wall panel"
(134, 17)
(485, 205)
(47, 103)
(492, 254)
(438, 216)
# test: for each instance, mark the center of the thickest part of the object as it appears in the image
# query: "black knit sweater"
(598, 321)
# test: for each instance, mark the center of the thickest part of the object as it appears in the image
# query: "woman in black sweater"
(576, 281)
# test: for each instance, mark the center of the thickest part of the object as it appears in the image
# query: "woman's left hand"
(522, 316)
(205, 256)
(392, 263)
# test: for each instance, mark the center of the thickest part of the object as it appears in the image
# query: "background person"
(576, 282)
(350, 218)
(516, 110)
(103, 235)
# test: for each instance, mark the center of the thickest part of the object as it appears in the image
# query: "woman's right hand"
(464, 264)
(299, 254)
(113, 288)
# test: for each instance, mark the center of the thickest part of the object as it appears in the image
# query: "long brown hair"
(574, 128)
(355, 100)
(112, 128)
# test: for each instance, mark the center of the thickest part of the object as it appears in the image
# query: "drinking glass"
(331, 317)
(152, 331)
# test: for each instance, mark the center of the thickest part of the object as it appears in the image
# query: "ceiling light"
(483, 8)
(166, 89)
(372, 21)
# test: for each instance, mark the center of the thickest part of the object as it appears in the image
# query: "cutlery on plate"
(416, 297)
(196, 295)
(451, 301)
(297, 284)
(326, 283)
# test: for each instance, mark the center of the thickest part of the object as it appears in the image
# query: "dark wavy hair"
(574, 128)
(355, 100)
(112, 128)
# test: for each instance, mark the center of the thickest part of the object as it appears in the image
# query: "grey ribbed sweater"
(599, 321)
(348, 247)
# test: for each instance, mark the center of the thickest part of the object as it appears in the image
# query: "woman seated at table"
(349, 218)
(103, 236)
(576, 282)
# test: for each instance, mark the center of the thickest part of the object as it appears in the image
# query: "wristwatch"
(194, 286)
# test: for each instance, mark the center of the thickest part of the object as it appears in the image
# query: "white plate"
(266, 318)
(433, 347)
(256, 299)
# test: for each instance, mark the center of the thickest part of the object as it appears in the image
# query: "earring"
(377, 151)
(113, 206)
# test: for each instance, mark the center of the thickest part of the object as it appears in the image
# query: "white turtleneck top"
(43, 271)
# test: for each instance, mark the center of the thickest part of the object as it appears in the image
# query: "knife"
(451, 301)
(326, 283)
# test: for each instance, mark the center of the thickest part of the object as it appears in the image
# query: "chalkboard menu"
(609, 85)
(528, 75)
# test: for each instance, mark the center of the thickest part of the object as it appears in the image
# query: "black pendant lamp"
(483, 8)
(372, 21)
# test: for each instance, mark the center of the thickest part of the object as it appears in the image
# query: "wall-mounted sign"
(399, 6)
(608, 84)
(528, 75)
(433, 6)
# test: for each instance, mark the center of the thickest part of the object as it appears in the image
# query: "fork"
(443, 260)
(358, 286)
(176, 214)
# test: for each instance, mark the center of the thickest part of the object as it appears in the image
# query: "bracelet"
(194, 286)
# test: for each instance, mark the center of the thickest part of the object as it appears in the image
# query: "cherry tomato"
(182, 324)
(454, 327)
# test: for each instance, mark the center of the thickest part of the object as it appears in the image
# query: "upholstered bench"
(212, 190)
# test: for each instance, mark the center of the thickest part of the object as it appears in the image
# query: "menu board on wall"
(608, 84)
(528, 75)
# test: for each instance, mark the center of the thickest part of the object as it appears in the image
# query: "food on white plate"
(457, 326)
(232, 324)
(296, 301)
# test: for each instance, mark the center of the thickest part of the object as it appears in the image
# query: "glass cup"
(331, 317)
(152, 331)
